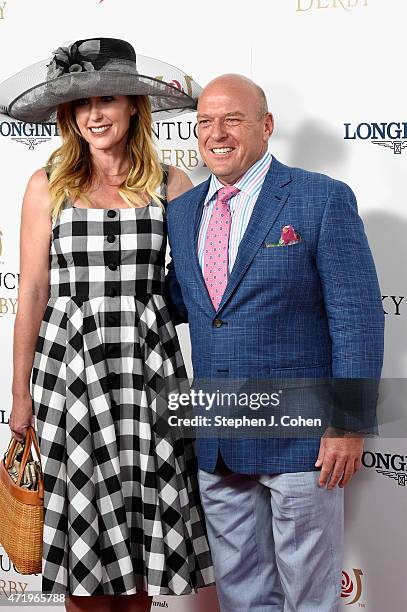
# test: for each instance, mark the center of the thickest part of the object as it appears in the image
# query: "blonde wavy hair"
(71, 169)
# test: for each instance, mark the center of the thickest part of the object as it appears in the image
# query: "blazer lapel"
(196, 207)
(270, 202)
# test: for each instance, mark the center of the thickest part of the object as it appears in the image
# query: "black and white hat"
(96, 67)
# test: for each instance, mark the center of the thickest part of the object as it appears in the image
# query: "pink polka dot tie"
(215, 260)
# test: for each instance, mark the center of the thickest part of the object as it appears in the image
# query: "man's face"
(232, 131)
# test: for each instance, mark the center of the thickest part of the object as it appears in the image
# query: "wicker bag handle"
(30, 439)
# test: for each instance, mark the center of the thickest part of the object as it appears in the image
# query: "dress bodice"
(118, 251)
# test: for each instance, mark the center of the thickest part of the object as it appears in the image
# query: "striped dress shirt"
(241, 206)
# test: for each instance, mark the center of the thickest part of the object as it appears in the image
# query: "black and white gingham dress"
(122, 510)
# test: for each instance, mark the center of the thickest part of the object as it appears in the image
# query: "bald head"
(241, 85)
(234, 126)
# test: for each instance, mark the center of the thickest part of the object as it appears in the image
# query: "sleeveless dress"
(122, 507)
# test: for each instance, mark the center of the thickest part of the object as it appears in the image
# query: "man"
(272, 268)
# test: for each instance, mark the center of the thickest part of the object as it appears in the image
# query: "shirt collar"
(246, 183)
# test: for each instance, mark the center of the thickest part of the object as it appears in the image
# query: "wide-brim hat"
(96, 67)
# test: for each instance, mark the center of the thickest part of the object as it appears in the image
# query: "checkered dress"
(122, 508)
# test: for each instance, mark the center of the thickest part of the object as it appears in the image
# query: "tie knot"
(226, 193)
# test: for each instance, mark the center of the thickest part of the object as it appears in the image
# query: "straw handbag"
(22, 505)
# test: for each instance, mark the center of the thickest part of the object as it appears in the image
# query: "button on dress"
(122, 508)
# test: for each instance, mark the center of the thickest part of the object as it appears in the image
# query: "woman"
(122, 512)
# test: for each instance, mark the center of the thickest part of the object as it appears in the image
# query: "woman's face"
(104, 120)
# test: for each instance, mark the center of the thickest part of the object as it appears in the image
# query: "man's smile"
(222, 150)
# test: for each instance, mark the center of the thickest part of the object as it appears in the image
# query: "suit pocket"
(271, 247)
(292, 261)
(274, 245)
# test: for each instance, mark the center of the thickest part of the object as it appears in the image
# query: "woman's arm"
(178, 183)
(33, 293)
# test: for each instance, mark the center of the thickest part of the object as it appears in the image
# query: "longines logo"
(3, 10)
(346, 5)
(387, 464)
(29, 134)
(391, 304)
(352, 587)
(391, 135)
(31, 142)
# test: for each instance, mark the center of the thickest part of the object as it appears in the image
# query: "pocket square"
(288, 236)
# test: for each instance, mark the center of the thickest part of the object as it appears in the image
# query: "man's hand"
(340, 455)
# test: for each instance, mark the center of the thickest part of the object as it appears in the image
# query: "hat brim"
(39, 104)
(28, 96)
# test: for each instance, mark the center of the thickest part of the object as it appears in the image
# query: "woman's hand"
(21, 417)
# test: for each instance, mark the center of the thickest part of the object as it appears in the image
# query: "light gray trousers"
(276, 541)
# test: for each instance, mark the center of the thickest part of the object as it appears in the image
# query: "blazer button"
(112, 292)
(218, 323)
(111, 238)
(111, 213)
(112, 376)
(112, 267)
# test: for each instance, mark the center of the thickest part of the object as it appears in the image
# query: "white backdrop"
(331, 69)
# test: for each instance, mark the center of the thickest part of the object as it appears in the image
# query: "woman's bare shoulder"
(38, 180)
(178, 183)
(37, 191)
(35, 231)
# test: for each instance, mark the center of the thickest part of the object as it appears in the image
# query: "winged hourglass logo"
(399, 477)
(396, 146)
(31, 142)
(392, 135)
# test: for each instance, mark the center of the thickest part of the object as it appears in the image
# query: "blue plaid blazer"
(307, 311)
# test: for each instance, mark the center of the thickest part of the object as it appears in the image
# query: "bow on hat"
(74, 58)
